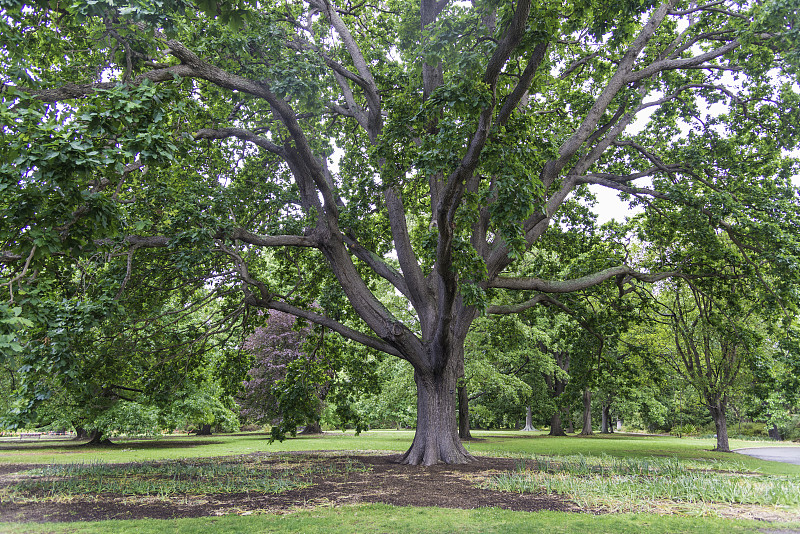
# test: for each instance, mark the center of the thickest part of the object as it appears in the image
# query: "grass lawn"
(488, 443)
(385, 518)
(378, 518)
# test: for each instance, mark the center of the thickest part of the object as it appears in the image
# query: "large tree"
(464, 132)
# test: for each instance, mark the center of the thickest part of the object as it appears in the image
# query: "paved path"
(789, 455)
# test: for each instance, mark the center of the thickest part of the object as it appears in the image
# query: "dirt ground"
(386, 482)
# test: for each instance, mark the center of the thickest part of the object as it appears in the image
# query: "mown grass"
(489, 443)
(617, 472)
(398, 520)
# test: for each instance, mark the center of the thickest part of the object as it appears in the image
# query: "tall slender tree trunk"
(528, 420)
(717, 410)
(605, 427)
(463, 413)
(463, 397)
(436, 439)
(587, 412)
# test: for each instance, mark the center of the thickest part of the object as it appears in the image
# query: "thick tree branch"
(420, 294)
(7, 256)
(327, 322)
(524, 83)
(674, 64)
(621, 78)
(240, 133)
(577, 284)
(381, 268)
(244, 236)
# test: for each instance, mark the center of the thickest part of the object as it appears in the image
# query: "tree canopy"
(427, 144)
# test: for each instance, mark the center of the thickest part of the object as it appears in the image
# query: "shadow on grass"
(81, 446)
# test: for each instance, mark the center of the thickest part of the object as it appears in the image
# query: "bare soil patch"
(387, 481)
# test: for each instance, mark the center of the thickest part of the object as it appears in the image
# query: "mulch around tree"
(447, 486)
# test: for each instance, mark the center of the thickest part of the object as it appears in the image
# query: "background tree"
(296, 370)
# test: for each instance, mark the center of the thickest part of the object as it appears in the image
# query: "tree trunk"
(436, 439)
(555, 424)
(587, 412)
(80, 434)
(605, 428)
(619, 425)
(312, 428)
(203, 430)
(96, 438)
(721, 423)
(570, 427)
(774, 433)
(463, 413)
(528, 420)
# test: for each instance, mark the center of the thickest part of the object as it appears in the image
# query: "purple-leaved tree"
(280, 390)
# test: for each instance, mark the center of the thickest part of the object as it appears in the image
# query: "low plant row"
(263, 474)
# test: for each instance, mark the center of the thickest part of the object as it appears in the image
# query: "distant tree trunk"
(605, 428)
(80, 434)
(528, 420)
(619, 425)
(311, 428)
(463, 413)
(556, 384)
(96, 438)
(774, 433)
(203, 430)
(570, 425)
(587, 412)
(555, 424)
(717, 410)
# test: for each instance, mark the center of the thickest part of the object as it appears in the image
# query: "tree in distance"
(466, 133)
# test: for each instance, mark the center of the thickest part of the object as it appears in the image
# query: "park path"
(789, 455)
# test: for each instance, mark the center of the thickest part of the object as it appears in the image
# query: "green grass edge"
(376, 518)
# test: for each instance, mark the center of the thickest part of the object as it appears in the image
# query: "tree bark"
(203, 430)
(605, 428)
(717, 410)
(587, 413)
(463, 413)
(436, 439)
(96, 438)
(528, 420)
(312, 428)
(555, 424)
